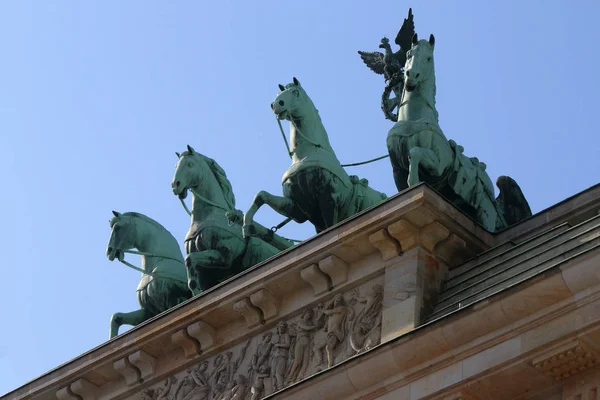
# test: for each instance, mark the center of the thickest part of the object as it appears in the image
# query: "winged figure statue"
(390, 64)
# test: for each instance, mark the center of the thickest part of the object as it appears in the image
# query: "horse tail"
(511, 201)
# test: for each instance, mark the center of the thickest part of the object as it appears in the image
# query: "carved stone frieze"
(567, 360)
(317, 338)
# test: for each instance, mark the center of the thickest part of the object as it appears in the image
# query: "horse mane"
(426, 43)
(224, 182)
(220, 176)
(309, 101)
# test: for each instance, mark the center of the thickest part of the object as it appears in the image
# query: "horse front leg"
(281, 205)
(131, 318)
(206, 258)
(204, 269)
(426, 158)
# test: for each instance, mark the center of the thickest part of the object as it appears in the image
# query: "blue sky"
(96, 96)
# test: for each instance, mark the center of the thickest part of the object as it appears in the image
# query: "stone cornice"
(336, 260)
(257, 296)
(502, 331)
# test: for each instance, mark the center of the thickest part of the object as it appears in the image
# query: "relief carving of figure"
(366, 327)
(223, 367)
(239, 390)
(336, 314)
(195, 385)
(339, 328)
(281, 346)
(259, 388)
(224, 371)
(221, 387)
(161, 393)
(259, 367)
(263, 350)
(236, 389)
(302, 346)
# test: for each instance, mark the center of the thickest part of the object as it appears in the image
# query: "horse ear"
(190, 149)
(432, 40)
(296, 82)
(178, 155)
(415, 39)
(281, 87)
(116, 214)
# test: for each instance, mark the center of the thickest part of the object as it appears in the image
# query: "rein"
(318, 146)
(142, 253)
(227, 210)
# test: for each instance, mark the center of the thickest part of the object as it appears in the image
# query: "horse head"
(289, 101)
(122, 236)
(419, 62)
(187, 175)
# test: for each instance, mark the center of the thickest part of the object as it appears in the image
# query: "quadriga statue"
(215, 247)
(164, 278)
(316, 187)
(419, 151)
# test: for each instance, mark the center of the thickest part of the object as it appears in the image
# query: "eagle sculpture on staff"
(391, 65)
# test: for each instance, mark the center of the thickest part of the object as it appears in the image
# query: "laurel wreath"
(396, 79)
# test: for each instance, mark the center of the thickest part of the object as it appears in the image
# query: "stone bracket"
(195, 338)
(252, 314)
(204, 333)
(65, 393)
(329, 273)
(81, 389)
(453, 250)
(387, 245)
(405, 233)
(319, 281)
(136, 367)
(335, 268)
(433, 234)
(268, 304)
(190, 346)
(129, 372)
(434, 237)
(144, 363)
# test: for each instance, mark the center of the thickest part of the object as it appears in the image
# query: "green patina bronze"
(315, 187)
(215, 247)
(222, 241)
(419, 151)
(164, 279)
(391, 65)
